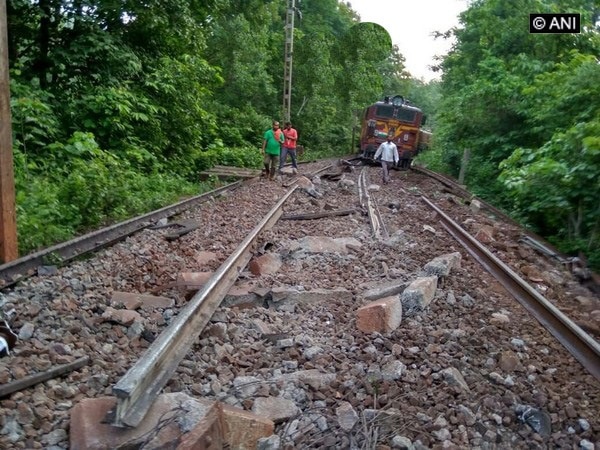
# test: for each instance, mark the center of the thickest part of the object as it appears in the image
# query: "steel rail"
(17, 270)
(580, 344)
(142, 383)
(317, 172)
(532, 239)
(464, 193)
(529, 238)
(448, 182)
(377, 224)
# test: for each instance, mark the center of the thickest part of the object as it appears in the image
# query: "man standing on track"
(388, 154)
(271, 148)
(289, 147)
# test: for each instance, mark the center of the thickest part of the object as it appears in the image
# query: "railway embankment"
(331, 337)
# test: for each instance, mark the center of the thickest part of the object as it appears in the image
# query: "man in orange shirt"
(289, 147)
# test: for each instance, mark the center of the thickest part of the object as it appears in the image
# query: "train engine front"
(392, 115)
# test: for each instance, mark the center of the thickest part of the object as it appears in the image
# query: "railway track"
(368, 204)
(143, 383)
(581, 345)
(14, 271)
(529, 237)
(330, 325)
(138, 389)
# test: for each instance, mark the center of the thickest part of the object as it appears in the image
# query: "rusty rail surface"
(377, 225)
(139, 387)
(581, 345)
(19, 269)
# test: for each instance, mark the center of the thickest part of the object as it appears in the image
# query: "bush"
(42, 220)
(218, 154)
(92, 188)
(53, 210)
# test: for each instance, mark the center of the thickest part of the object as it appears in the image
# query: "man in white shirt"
(388, 154)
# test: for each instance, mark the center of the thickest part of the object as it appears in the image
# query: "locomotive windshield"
(384, 111)
(406, 115)
(389, 111)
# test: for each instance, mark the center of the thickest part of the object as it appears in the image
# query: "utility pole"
(289, 51)
(8, 220)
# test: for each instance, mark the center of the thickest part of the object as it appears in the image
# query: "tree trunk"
(575, 221)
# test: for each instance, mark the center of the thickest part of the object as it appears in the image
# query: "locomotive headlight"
(405, 137)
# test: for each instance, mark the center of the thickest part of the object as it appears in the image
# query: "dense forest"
(527, 106)
(117, 105)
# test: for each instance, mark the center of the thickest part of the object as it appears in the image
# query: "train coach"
(397, 116)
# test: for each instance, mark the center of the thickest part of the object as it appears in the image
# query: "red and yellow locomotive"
(393, 115)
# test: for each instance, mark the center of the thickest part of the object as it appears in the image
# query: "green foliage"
(316, 154)
(218, 154)
(248, 80)
(564, 111)
(43, 218)
(88, 188)
(34, 121)
(117, 105)
(240, 125)
(40, 214)
(113, 113)
(90, 58)
(570, 163)
(568, 93)
(361, 53)
(182, 86)
(527, 107)
(425, 96)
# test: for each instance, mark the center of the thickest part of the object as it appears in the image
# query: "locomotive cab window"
(406, 115)
(384, 111)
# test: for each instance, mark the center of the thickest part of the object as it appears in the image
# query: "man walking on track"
(271, 149)
(289, 147)
(388, 154)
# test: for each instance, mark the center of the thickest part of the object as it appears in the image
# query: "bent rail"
(139, 387)
(377, 224)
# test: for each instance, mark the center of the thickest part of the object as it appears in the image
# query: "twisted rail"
(139, 387)
(377, 224)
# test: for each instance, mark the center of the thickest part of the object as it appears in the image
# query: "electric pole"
(8, 221)
(289, 51)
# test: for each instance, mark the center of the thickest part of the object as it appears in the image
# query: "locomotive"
(397, 116)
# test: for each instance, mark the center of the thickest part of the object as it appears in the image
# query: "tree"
(525, 104)
(564, 111)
